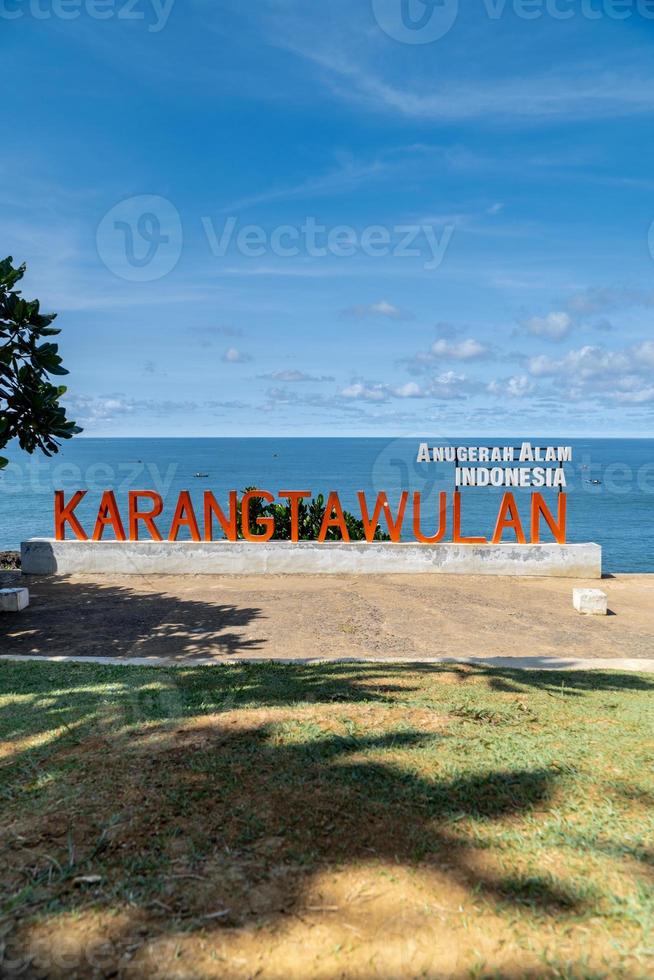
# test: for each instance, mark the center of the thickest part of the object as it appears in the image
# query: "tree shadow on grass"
(229, 817)
(236, 814)
(145, 695)
(76, 698)
(565, 684)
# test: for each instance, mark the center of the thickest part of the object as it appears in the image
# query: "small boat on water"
(199, 476)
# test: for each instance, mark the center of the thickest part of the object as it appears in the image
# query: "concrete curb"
(499, 663)
(43, 556)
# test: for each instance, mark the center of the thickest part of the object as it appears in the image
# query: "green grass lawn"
(327, 821)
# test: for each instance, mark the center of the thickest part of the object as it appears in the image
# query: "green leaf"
(29, 402)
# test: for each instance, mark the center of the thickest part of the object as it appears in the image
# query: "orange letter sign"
(147, 516)
(211, 507)
(108, 515)
(64, 515)
(539, 507)
(184, 516)
(394, 525)
(333, 505)
(456, 522)
(265, 522)
(295, 496)
(508, 506)
(442, 521)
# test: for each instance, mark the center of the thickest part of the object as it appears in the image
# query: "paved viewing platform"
(214, 618)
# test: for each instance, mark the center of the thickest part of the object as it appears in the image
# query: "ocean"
(616, 512)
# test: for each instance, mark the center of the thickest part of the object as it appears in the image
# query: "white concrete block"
(13, 600)
(590, 602)
(42, 556)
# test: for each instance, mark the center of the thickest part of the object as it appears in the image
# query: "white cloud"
(638, 397)
(408, 390)
(445, 349)
(586, 363)
(361, 391)
(464, 350)
(234, 356)
(597, 373)
(554, 326)
(383, 308)
(513, 387)
(644, 352)
(448, 386)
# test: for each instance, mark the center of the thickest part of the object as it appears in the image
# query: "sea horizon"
(615, 512)
(419, 437)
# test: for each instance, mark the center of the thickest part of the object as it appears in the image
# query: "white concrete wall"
(42, 556)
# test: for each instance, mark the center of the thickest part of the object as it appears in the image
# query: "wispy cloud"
(88, 410)
(382, 309)
(604, 299)
(291, 376)
(584, 91)
(581, 306)
(448, 386)
(210, 336)
(344, 178)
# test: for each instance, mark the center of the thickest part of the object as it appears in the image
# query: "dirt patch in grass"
(323, 822)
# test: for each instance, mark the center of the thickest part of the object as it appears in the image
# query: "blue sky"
(219, 198)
